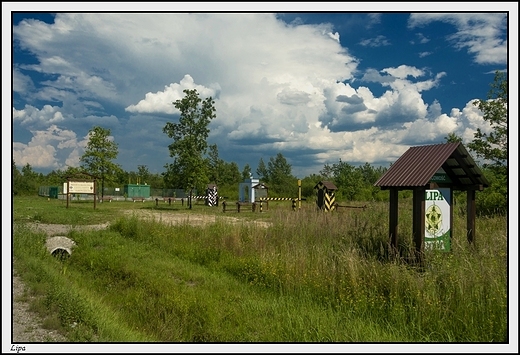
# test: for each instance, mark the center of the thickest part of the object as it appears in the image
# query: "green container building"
(136, 190)
(53, 192)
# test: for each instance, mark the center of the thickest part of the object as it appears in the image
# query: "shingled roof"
(417, 166)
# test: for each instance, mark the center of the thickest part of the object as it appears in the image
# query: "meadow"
(307, 276)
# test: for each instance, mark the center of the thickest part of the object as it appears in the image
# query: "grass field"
(304, 277)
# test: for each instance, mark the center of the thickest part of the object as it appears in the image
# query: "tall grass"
(309, 277)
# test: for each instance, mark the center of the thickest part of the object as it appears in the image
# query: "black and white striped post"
(212, 196)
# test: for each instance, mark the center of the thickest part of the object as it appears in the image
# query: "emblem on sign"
(433, 219)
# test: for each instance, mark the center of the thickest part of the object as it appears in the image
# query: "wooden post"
(95, 193)
(394, 208)
(452, 204)
(299, 194)
(470, 215)
(418, 227)
(68, 193)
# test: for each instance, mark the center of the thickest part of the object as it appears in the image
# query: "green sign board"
(440, 177)
(437, 220)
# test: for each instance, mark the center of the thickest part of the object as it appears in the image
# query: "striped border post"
(212, 197)
(330, 201)
(325, 198)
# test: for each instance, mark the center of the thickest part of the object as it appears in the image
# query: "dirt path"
(28, 326)
(194, 219)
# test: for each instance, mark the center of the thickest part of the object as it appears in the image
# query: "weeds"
(309, 277)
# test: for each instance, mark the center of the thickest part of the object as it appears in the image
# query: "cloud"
(334, 36)
(277, 87)
(54, 147)
(22, 83)
(482, 34)
(31, 116)
(293, 97)
(378, 41)
(403, 71)
(162, 101)
(422, 38)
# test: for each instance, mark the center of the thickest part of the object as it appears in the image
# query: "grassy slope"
(308, 278)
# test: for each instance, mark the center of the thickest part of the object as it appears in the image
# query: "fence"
(117, 192)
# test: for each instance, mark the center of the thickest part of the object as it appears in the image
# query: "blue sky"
(316, 86)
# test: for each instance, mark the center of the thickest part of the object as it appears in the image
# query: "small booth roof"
(328, 185)
(417, 166)
(260, 186)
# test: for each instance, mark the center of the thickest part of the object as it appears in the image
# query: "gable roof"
(327, 184)
(418, 165)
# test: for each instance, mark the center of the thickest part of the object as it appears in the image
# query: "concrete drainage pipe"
(60, 246)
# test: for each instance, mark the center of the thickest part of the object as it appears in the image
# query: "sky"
(315, 86)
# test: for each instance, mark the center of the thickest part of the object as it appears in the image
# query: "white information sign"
(81, 187)
(437, 219)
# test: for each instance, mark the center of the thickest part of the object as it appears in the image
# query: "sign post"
(81, 187)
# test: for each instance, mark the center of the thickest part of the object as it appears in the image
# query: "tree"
(348, 179)
(190, 140)
(99, 155)
(493, 147)
(327, 172)
(246, 172)
(280, 175)
(55, 178)
(230, 173)
(144, 174)
(17, 180)
(215, 164)
(453, 138)
(262, 172)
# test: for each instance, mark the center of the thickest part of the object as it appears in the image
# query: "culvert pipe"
(60, 246)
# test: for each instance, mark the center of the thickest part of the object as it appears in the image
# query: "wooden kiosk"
(429, 168)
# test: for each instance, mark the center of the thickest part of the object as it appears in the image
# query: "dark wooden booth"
(430, 167)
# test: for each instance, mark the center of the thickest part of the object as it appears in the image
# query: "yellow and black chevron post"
(325, 195)
(330, 201)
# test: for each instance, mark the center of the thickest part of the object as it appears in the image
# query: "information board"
(81, 187)
(437, 219)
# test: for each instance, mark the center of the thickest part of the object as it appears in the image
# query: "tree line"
(196, 164)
